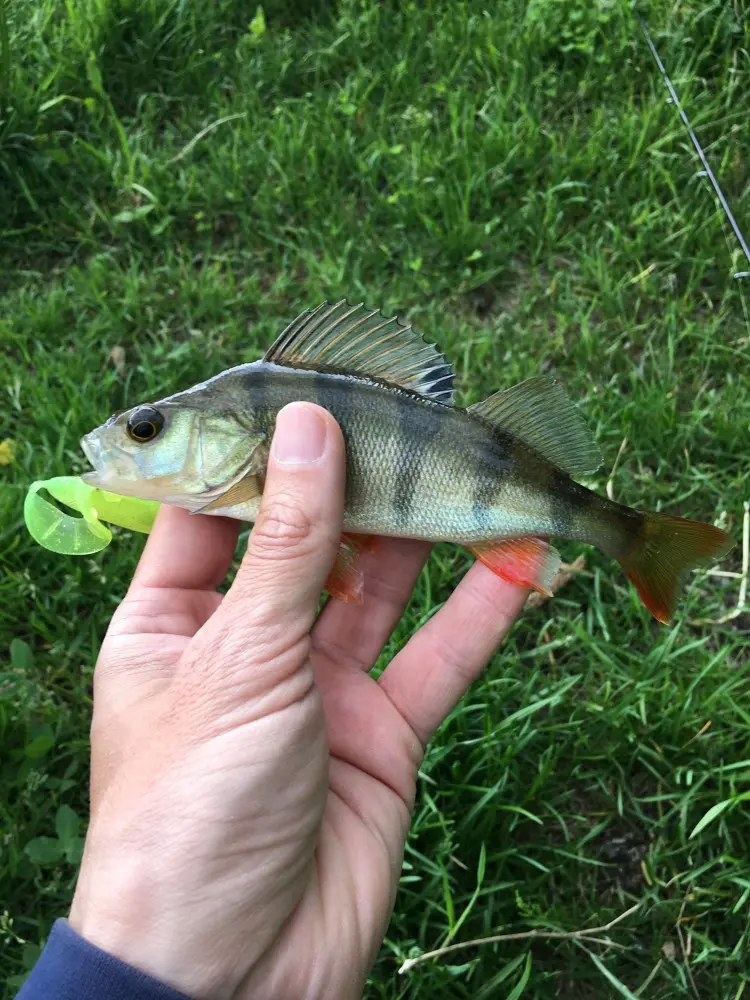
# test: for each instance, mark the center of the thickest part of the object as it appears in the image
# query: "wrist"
(125, 917)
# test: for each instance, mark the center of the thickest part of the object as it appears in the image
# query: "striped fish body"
(498, 477)
(417, 468)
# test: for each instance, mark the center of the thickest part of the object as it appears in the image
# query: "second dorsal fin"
(363, 342)
(540, 413)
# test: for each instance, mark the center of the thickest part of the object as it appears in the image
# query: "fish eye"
(144, 424)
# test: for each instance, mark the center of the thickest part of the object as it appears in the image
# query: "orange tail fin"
(670, 546)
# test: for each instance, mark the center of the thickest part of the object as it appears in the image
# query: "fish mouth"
(92, 449)
(109, 464)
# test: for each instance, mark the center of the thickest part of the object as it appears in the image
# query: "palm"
(153, 626)
(335, 930)
(367, 811)
(375, 729)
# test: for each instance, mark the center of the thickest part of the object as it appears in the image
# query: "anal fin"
(529, 562)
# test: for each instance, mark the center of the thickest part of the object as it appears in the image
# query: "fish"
(498, 477)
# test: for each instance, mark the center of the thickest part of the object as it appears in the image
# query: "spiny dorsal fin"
(540, 413)
(354, 339)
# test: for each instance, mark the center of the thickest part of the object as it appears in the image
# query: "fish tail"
(660, 549)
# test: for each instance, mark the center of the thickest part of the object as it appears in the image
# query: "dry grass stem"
(611, 481)
(589, 934)
(741, 604)
(564, 575)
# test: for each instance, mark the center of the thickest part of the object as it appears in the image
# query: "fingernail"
(300, 435)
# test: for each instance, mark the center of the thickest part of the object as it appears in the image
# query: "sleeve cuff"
(71, 968)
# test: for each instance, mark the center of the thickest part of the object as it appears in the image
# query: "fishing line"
(708, 172)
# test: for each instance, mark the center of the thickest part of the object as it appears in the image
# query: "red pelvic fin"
(529, 562)
(346, 581)
(361, 543)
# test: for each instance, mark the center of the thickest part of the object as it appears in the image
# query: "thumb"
(267, 614)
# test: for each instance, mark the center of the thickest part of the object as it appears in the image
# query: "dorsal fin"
(354, 339)
(540, 413)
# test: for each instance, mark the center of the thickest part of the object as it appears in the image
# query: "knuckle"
(283, 527)
(229, 643)
(233, 667)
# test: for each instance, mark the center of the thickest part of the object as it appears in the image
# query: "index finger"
(187, 551)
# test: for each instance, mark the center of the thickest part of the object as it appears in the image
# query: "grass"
(178, 180)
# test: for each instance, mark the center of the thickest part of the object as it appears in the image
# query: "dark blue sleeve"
(70, 968)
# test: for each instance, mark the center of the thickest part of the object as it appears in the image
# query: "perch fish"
(498, 477)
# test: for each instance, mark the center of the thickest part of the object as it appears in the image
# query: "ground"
(178, 181)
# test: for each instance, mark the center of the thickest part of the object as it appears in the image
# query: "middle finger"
(353, 635)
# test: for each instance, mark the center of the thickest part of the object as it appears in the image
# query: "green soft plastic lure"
(52, 528)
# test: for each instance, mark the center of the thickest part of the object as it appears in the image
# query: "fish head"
(179, 450)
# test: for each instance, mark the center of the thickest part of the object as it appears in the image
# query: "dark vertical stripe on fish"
(257, 385)
(337, 396)
(562, 506)
(488, 483)
(324, 393)
(410, 452)
(334, 396)
(571, 505)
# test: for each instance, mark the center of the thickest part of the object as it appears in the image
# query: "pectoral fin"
(250, 487)
(529, 562)
(246, 487)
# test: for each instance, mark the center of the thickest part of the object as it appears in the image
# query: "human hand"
(251, 783)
